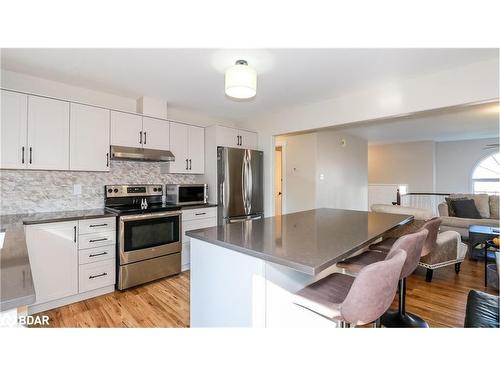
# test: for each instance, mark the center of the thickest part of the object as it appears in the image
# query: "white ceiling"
(193, 79)
(471, 122)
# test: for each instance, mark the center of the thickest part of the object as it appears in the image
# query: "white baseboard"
(185, 267)
(34, 309)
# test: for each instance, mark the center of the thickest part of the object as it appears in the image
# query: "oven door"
(149, 236)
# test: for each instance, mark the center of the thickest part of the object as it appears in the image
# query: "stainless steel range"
(149, 241)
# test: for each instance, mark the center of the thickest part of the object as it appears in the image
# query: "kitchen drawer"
(96, 275)
(96, 254)
(197, 224)
(199, 213)
(103, 224)
(89, 241)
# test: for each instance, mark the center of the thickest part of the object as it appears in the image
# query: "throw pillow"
(481, 201)
(465, 208)
(451, 211)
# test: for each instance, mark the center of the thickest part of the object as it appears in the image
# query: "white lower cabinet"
(195, 219)
(68, 265)
(53, 254)
(96, 275)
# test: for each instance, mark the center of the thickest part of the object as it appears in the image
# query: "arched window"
(486, 176)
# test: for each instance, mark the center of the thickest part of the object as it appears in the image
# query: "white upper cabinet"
(14, 129)
(89, 138)
(179, 147)
(187, 143)
(248, 139)
(126, 129)
(196, 149)
(48, 134)
(236, 138)
(156, 133)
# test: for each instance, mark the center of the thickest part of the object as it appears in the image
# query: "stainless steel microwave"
(186, 194)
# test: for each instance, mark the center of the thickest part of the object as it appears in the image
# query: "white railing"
(428, 201)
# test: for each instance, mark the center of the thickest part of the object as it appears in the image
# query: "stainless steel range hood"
(140, 154)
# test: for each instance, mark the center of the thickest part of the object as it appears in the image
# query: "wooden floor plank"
(165, 303)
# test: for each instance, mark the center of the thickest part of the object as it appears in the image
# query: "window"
(486, 175)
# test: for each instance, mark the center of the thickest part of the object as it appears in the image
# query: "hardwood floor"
(165, 303)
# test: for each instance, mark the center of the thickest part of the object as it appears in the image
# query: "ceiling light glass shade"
(241, 81)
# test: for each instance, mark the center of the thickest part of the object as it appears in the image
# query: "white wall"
(455, 162)
(344, 170)
(299, 192)
(410, 163)
(467, 84)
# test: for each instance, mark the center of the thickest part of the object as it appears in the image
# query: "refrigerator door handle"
(249, 180)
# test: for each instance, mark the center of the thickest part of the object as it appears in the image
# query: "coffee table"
(480, 234)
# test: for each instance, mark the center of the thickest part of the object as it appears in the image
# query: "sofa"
(449, 247)
(487, 205)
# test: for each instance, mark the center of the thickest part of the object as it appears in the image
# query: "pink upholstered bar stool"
(430, 244)
(355, 300)
(412, 244)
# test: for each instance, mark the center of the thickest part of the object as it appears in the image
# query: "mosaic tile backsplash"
(44, 191)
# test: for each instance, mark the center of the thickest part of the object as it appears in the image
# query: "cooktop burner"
(134, 209)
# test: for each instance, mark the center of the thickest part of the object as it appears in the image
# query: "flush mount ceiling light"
(241, 81)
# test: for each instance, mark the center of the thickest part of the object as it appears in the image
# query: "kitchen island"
(244, 274)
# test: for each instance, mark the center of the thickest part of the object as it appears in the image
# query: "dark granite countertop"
(307, 241)
(51, 217)
(16, 282)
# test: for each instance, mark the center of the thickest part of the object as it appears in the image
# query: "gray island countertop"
(16, 281)
(307, 241)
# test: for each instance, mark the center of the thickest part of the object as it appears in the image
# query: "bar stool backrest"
(432, 226)
(412, 244)
(373, 290)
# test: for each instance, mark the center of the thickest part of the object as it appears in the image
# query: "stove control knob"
(159, 189)
(116, 190)
(110, 190)
(155, 189)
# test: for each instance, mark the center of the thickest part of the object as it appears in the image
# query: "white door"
(48, 133)
(89, 138)
(179, 147)
(196, 149)
(14, 122)
(156, 133)
(227, 137)
(248, 139)
(126, 129)
(53, 256)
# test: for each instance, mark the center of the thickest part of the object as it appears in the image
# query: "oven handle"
(149, 216)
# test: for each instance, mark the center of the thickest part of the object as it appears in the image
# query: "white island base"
(232, 289)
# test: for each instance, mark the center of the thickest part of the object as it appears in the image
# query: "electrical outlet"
(77, 189)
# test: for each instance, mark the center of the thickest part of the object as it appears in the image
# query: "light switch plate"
(77, 189)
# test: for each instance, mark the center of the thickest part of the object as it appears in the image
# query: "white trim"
(472, 180)
(34, 309)
(281, 144)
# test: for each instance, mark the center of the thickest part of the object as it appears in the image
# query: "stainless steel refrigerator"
(240, 184)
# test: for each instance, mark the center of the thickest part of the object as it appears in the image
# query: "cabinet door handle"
(31, 155)
(98, 254)
(145, 137)
(190, 164)
(237, 140)
(98, 225)
(98, 240)
(95, 276)
(22, 157)
(187, 164)
(107, 159)
(74, 234)
(140, 137)
(201, 213)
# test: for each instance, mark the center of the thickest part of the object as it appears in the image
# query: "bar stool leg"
(400, 318)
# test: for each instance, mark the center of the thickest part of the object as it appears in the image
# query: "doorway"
(278, 180)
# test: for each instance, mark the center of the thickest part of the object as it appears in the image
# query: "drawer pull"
(98, 225)
(96, 276)
(201, 213)
(99, 239)
(98, 254)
